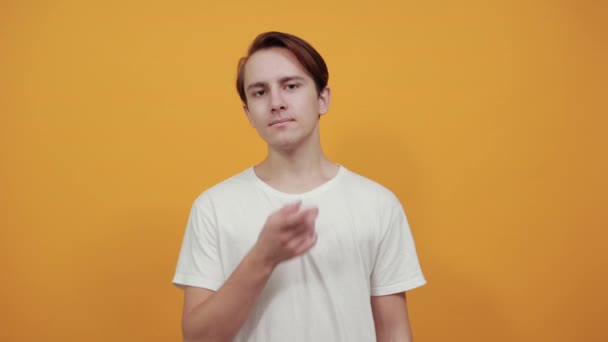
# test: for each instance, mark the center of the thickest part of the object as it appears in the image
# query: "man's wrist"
(260, 262)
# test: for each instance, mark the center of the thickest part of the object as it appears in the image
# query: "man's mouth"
(280, 121)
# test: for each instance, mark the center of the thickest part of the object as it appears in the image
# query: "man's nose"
(277, 102)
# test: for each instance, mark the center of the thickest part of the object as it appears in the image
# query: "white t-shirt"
(364, 248)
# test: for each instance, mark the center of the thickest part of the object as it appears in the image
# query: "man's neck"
(296, 171)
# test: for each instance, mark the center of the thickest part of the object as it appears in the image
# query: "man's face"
(282, 101)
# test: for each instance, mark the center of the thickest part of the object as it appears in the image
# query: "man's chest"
(345, 237)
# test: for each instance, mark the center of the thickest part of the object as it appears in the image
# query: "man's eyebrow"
(281, 80)
(256, 85)
(291, 78)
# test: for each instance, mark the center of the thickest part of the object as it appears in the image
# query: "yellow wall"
(487, 118)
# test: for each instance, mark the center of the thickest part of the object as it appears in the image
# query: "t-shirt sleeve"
(199, 259)
(396, 268)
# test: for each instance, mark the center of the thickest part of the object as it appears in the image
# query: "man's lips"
(279, 121)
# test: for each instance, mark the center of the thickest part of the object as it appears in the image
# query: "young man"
(296, 248)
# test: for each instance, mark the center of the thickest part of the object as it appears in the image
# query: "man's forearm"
(391, 318)
(395, 336)
(221, 316)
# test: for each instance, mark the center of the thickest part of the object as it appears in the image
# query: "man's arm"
(391, 318)
(217, 316)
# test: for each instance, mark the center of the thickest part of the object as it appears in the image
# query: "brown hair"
(310, 59)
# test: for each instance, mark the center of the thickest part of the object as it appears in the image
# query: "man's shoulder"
(237, 185)
(364, 186)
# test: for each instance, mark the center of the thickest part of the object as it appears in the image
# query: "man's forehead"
(272, 65)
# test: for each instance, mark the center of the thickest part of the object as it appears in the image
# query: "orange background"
(486, 118)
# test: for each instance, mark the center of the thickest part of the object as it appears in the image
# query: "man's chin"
(284, 145)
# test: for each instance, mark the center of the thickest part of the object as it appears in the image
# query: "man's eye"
(293, 85)
(258, 93)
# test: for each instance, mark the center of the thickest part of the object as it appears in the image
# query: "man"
(296, 248)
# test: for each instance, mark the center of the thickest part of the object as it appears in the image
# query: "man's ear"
(324, 98)
(246, 110)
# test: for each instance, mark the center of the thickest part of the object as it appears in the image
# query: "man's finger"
(306, 244)
(290, 208)
(300, 218)
(285, 211)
